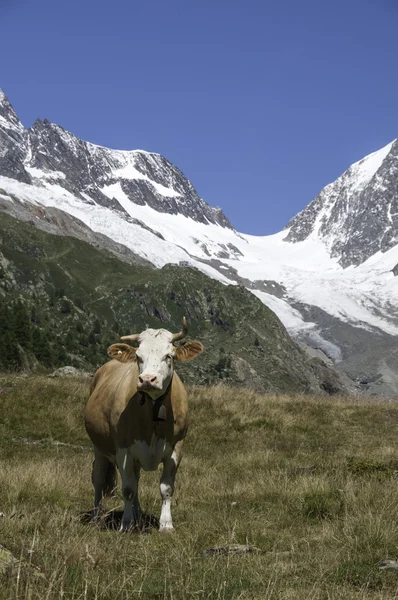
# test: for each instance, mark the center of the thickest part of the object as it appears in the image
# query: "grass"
(311, 482)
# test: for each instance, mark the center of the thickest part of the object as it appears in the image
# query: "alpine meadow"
(307, 483)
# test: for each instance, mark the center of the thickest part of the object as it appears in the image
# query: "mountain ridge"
(329, 275)
(48, 150)
(357, 214)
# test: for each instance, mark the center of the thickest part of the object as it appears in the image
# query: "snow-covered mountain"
(47, 153)
(356, 215)
(329, 275)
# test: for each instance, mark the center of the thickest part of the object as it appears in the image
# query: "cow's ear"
(122, 352)
(188, 350)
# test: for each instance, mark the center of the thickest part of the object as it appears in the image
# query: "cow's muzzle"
(147, 383)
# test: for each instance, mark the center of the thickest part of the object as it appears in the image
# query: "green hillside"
(62, 301)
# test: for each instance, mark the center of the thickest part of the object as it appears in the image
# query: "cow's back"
(113, 385)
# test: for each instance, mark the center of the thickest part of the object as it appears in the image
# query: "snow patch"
(290, 317)
(40, 174)
(364, 170)
(131, 173)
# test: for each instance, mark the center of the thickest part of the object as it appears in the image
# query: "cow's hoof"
(166, 529)
(91, 516)
(130, 527)
(95, 515)
(126, 527)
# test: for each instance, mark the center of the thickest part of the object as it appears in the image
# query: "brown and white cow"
(137, 417)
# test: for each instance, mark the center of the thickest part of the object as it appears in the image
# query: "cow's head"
(155, 356)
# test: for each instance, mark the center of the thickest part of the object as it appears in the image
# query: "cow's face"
(155, 358)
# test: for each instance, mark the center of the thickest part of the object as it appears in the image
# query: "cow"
(137, 418)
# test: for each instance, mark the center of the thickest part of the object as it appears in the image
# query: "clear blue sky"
(260, 103)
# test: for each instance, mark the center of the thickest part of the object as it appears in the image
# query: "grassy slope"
(244, 340)
(308, 481)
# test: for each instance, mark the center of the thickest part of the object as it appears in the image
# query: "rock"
(70, 372)
(388, 563)
(8, 562)
(10, 566)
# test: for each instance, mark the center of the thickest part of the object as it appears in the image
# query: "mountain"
(63, 301)
(329, 275)
(13, 143)
(356, 216)
(47, 153)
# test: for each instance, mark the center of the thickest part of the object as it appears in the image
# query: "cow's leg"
(130, 474)
(102, 468)
(170, 466)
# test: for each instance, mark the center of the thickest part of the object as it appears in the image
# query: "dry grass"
(309, 481)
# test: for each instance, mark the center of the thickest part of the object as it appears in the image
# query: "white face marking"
(155, 359)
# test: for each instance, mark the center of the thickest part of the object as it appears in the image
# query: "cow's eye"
(168, 357)
(139, 359)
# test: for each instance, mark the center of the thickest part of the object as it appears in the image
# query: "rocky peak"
(8, 116)
(13, 142)
(47, 154)
(356, 215)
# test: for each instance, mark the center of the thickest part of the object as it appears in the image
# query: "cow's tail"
(110, 479)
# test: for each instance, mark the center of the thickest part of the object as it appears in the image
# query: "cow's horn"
(181, 334)
(134, 337)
